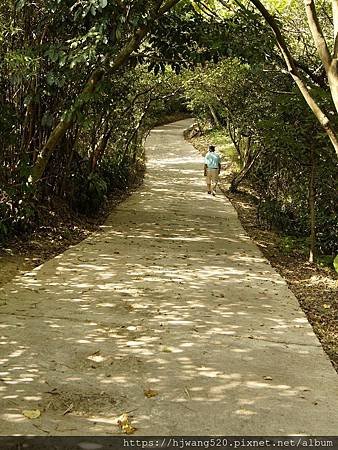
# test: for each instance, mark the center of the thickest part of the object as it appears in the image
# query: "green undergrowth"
(289, 245)
(223, 143)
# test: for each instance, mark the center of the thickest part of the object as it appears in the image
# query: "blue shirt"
(212, 160)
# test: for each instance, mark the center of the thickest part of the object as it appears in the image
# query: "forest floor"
(168, 320)
(315, 286)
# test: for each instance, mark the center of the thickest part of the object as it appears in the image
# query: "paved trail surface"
(171, 296)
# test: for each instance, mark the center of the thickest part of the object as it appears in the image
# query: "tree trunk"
(101, 146)
(214, 116)
(64, 124)
(329, 62)
(292, 68)
(332, 77)
(232, 134)
(312, 253)
(244, 172)
(91, 86)
(135, 132)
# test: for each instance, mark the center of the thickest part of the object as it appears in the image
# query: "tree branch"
(292, 68)
(91, 86)
(209, 12)
(335, 27)
(167, 6)
(319, 79)
(317, 34)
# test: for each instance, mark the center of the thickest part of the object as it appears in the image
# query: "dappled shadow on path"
(170, 296)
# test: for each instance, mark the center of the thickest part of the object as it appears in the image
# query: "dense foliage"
(279, 145)
(82, 82)
(75, 102)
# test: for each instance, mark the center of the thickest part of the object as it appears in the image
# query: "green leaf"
(19, 4)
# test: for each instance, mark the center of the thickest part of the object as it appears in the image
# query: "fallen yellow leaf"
(32, 413)
(326, 306)
(150, 393)
(125, 424)
(166, 350)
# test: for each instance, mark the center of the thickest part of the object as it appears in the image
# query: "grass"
(223, 143)
(290, 244)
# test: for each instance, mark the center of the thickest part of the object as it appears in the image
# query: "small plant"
(291, 244)
(90, 194)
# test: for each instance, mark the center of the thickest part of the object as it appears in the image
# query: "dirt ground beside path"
(168, 321)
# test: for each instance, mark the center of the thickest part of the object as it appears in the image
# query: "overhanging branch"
(317, 34)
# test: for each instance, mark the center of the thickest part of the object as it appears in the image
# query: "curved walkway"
(171, 299)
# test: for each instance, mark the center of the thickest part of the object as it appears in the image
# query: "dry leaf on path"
(70, 407)
(125, 424)
(267, 378)
(166, 350)
(53, 391)
(32, 413)
(150, 393)
(187, 393)
(48, 406)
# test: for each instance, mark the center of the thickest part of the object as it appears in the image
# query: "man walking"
(212, 168)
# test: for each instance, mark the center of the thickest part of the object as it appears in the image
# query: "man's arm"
(205, 169)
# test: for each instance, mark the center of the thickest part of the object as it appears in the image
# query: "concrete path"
(170, 297)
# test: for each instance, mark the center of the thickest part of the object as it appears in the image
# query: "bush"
(90, 194)
(17, 212)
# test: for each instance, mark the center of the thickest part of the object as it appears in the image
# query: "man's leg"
(214, 181)
(208, 180)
